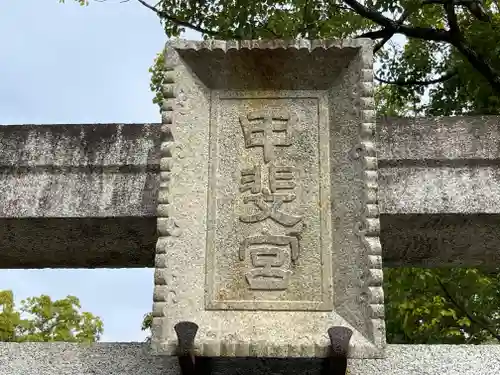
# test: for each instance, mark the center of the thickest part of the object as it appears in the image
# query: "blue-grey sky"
(62, 63)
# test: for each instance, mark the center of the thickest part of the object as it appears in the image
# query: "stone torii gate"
(86, 196)
(98, 183)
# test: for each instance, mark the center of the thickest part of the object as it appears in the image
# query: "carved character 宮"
(268, 260)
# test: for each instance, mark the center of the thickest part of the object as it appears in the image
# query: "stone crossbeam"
(84, 196)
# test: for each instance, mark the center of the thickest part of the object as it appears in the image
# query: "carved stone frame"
(181, 253)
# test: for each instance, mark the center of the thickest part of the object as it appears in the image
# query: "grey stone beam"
(133, 359)
(78, 196)
(85, 195)
(439, 191)
(440, 165)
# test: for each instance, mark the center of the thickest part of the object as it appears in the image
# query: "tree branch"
(377, 34)
(404, 16)
(385, 39)
(479, 63)
(416, 82)
(391, 26)
(473, 319)
(305, 21)
(179, 22)
(449, 8)
(476, 7)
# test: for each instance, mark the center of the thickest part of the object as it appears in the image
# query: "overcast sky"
(61, 63)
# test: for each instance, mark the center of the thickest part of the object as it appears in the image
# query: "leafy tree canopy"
(42, 319)
(442, 306)
(447, 62)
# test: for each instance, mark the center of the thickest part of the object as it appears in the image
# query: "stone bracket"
(190, 364)
(336, 363)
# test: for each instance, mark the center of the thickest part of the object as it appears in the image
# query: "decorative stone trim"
(369, 226)
(166, 225)
(301, 44)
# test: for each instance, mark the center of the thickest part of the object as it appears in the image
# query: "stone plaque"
(269, 238)
(267, 208)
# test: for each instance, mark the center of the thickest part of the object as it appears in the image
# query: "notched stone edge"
(369, 225)
(224, 348)
(265, 349)
(167, 228)
(299, 44)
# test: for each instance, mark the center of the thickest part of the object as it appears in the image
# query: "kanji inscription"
(268, 197)
(268, 260)
(265, 241)
(266, 123)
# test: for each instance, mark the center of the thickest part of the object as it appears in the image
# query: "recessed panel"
(269, 240)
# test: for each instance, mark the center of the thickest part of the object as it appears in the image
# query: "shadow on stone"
(268, 366)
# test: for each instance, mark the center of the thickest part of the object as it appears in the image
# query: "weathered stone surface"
(134, 359)
(78, 195)
(428, 139)
(411, 151)
(440, 165)
(439, 193)
(102, 242)
(258, 148)
(441, 240)
(78, 171)
(428, 165)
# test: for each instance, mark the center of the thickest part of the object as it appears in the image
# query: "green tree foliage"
(42, 319)
(433, 57)
(147, 322)
(445, 306)
(446, 62)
